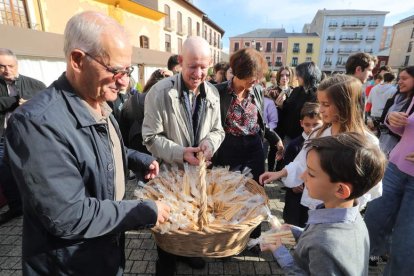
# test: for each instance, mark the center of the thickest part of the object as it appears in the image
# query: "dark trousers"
(294, 213)
(9, 186)
(241, 152)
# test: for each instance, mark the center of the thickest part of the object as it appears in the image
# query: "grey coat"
(165, 130)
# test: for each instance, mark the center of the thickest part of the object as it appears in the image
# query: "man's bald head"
(195, 61)
(196, 45)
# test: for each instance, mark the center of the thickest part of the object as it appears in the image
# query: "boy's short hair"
(351, 158)
(310, 110)
(379, 77)
(172, 61)
(359, 59)
(389, 77)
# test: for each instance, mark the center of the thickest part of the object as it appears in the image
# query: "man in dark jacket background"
(15, 89)
(66, 154)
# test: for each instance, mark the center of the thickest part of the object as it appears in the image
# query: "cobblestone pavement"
(141, 253)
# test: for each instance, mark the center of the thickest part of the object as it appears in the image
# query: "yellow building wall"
(302, 55)
(56, 14)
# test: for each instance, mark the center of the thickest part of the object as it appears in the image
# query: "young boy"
(335, 241)
(295, 213)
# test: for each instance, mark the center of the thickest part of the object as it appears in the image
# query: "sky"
(242, 16)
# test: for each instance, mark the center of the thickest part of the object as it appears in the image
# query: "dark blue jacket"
(62, 162)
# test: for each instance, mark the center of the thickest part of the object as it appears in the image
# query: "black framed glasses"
(118, 73)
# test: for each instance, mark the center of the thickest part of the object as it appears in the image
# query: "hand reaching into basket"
(190, 155)
(153, 170)
(268, 177)
(163, 212)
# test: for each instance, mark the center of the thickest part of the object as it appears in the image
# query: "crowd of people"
(341, 145)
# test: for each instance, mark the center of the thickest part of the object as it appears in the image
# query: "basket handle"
(202, 214)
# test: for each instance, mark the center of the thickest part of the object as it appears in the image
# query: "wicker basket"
(216, 240)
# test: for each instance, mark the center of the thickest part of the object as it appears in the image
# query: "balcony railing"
(370, 38)
(309, 51)
(327, 63)
(278, 63)
(330, 38)
(296, 50)
(369, 51)
(280, 50)
(329, 51)
(351, 38)
(347, 50)
(268, 50)
(357, 24)
(340, 64)
(373, 25)
(333, 25)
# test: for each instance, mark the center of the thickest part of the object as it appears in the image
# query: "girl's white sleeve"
(295, 169)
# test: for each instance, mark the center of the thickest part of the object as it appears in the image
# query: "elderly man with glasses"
(65, 151)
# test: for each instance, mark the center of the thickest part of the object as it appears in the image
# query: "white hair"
(7, 52)
(84, 31)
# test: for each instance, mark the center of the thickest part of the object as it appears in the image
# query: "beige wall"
(174, 8)
(57, 13)
(399, 45)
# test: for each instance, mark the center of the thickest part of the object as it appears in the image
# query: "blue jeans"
(392, 216)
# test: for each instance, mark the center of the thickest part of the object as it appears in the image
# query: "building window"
(167, 43)
(205, 32)
(412, 33)
(210, 36)
(215, 40)
(268, 46)
(309, 48)
(258, 46)
(14, 13)
(179, 23)
(279, 47)
(190, 27)
(167, 19)
(294, 61)
(218, 41)
(296, 47)
(407, 59)
(144, 42)
(198, 28)
(410, 46)
(278, 61)
(236, 46)
(269, 63)
(179, 45)
(246, 44)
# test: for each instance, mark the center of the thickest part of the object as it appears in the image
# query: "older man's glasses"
(118, 73)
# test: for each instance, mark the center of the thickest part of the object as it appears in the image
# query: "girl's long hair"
(344, 92)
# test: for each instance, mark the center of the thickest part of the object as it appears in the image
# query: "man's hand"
(207, 149)
(397, 119)
(410, 157)
(190, 155)
(153, 170)
(163, 212)
(22, 101)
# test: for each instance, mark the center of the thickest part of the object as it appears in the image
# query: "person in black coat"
(15, 90)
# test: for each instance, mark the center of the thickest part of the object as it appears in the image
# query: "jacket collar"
(75, 103)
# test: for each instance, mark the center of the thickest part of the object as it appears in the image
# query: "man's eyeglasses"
(118, 73)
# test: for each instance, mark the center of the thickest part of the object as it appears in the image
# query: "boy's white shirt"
(298, 166)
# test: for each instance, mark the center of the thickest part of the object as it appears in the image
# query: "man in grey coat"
(65, 151)
(182, 117)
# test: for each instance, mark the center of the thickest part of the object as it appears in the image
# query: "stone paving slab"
(140, 250)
